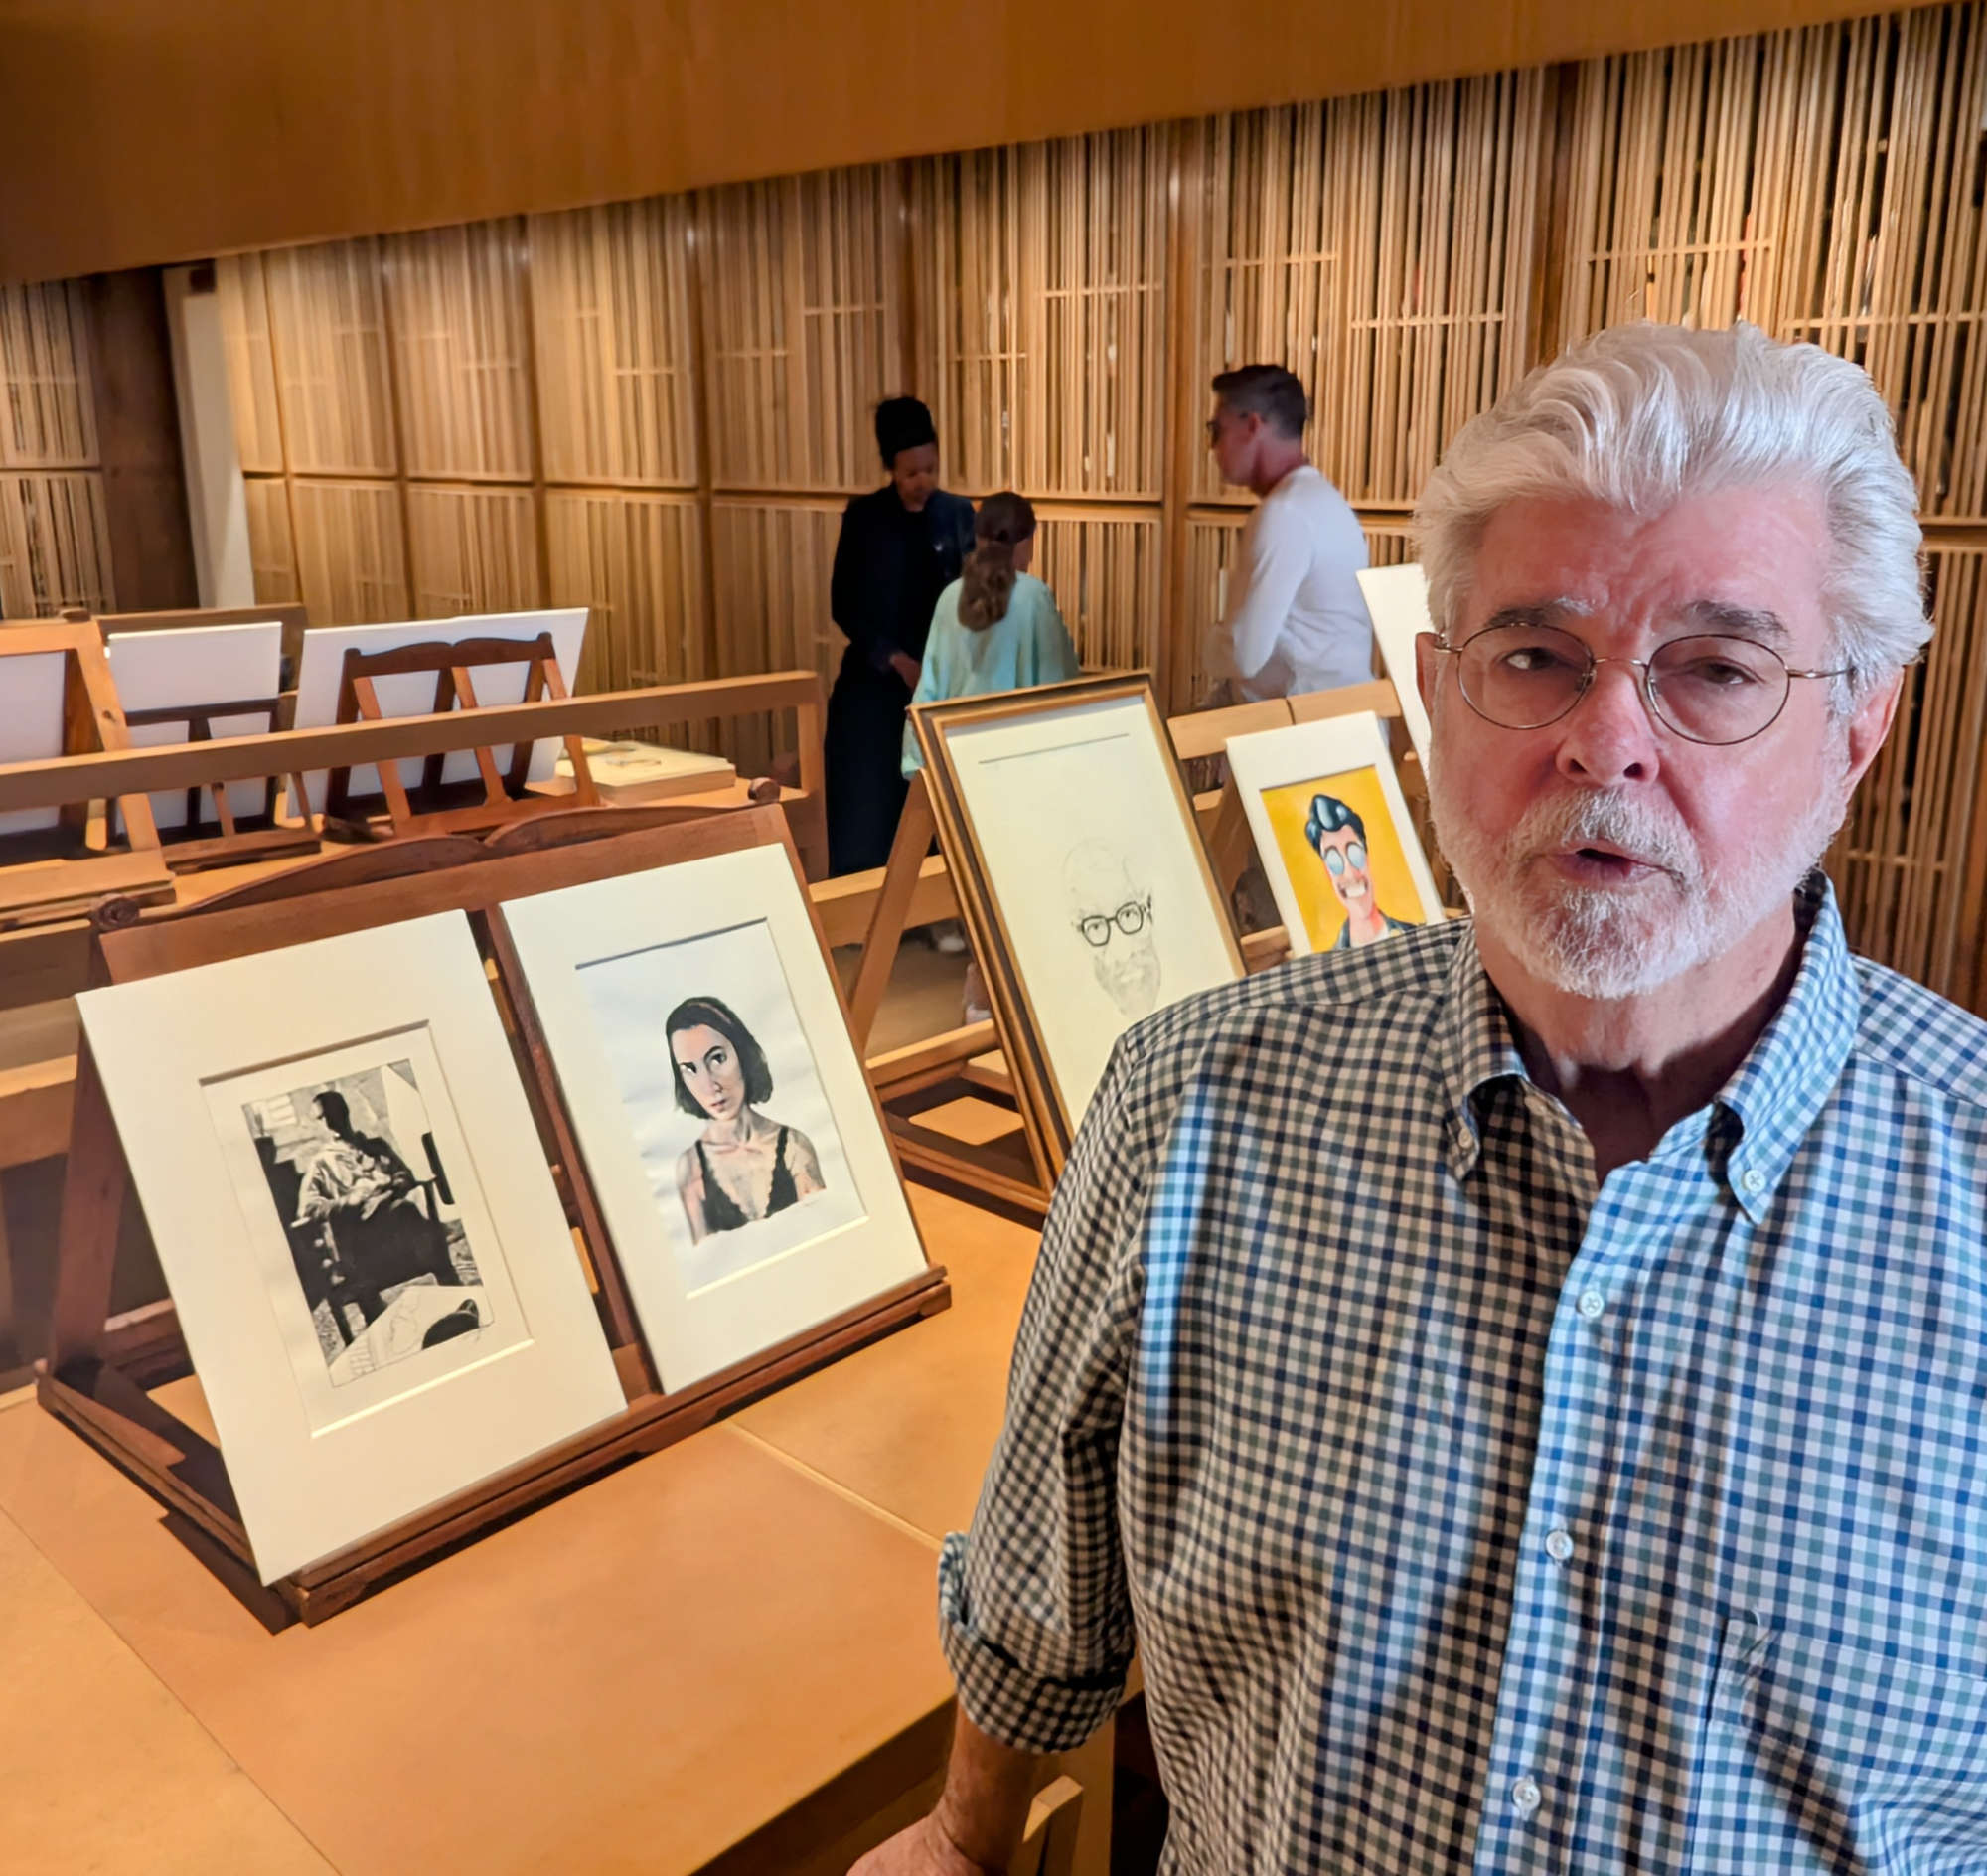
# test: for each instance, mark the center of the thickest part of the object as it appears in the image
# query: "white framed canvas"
(31, 725)
(190, 667)
(729, 1130)
(1332, 831)
(1091, 874)
(1396, 601)
(322, 662)
(372, 1267)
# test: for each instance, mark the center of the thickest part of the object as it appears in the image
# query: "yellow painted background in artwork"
(1289, 807)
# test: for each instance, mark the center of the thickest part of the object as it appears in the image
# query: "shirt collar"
(1790, 1071)
(1773, 1097)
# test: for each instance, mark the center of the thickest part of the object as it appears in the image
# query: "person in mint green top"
(996, 627)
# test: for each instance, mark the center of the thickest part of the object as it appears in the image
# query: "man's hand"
(907, 668)
(922, 1851)
(985, 1808)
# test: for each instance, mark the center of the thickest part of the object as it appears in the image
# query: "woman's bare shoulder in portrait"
(689, 1189)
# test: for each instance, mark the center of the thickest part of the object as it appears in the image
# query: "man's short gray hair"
(1640, 415)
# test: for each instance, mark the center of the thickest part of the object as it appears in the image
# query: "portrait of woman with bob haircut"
(744, 1166)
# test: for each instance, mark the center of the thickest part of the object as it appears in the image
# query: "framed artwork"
(346, 1187)
(193, 667)
(1397, 600)
(322, 662)
(731, 1134)
(1332, 831)
(1073, 847)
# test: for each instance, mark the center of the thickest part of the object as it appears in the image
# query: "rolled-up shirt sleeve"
(1033, 1609)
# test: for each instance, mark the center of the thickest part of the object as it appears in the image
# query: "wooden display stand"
(966, 1061)
(262, 836)
(52, 874)
(95, 1381)
(503, 797)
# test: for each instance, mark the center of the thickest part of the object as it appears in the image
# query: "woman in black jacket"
(900, 547)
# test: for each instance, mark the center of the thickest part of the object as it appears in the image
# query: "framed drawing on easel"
(1332, 831)
(1072, 845)
(370, 1260)
(734, 1143)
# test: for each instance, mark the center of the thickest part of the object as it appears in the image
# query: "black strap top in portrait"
(722, 1212)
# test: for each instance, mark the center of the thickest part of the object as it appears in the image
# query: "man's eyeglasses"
(1353, 854)
(1130, 918)
(1708, 688)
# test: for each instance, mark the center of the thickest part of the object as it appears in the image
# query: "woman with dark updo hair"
(743, 1167)
(900, 547)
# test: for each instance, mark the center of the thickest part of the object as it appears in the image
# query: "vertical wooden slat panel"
(1104, 568)
(327, 331)
(54, 544)
(803, 288)
(460, 337)
(352, 565)
(1045, 269)
(241, 293)
(638, 561)
(48, 414)
(271, 551)
(472, 549)
(771, 577)
(611, 304)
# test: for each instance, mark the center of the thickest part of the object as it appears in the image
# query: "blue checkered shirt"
(1469, 1518)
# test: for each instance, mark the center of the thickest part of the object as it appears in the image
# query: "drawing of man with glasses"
(1113, 914)
(1339, 836)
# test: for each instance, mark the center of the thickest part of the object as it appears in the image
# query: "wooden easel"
(503, 797)
(968, 1061)
(262, 836)
(95, 1381)
(54, 875)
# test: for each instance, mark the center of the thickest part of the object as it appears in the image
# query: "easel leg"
(915, 828)
(94, 1183)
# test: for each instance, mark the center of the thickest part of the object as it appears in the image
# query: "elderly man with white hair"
(1524, 1385)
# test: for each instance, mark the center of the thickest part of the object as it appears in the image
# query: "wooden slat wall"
(241, 287)
(55, 540)
(351, 552)
(334, 380)
(638, 561)
(456, 301)
(610, 295)
(474, 548)
(803, 321)
(658, 408)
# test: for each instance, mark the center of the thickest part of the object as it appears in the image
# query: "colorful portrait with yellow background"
(1288, 810)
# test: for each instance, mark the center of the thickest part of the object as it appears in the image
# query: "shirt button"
(1526, 1796)
(1593, 1305)
(1753, 1180)
(1559, 1545)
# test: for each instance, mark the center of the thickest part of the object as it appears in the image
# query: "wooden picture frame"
(1016, 930)
(96, 1377)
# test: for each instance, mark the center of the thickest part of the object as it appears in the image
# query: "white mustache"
(1631, 823)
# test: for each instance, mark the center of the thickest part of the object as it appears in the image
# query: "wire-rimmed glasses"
(1708, 687)
(1130, 918)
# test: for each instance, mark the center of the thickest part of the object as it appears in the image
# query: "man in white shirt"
(1296, 619)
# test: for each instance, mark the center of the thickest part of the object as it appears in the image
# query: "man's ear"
(1426, 660)
(1870, 724)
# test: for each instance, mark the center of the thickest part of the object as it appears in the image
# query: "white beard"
(1606, 943)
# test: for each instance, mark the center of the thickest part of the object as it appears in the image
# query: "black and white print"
(375, 1234)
